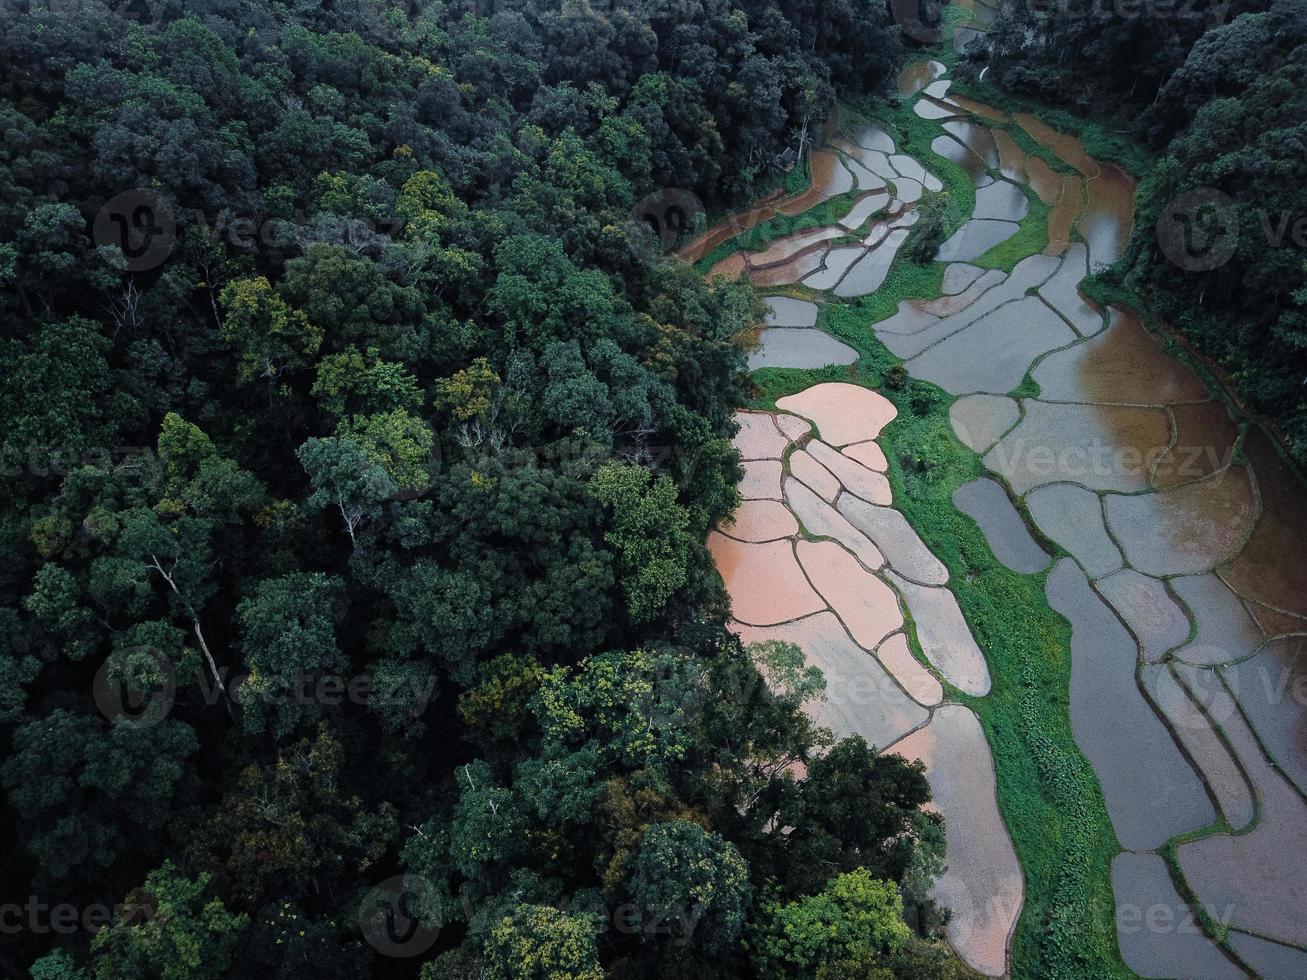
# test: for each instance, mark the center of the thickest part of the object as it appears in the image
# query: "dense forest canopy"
(1218, 91)
(346, 426)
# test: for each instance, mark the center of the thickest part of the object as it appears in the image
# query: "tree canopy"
(361, 460)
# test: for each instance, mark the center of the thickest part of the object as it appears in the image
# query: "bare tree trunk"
(195, 622)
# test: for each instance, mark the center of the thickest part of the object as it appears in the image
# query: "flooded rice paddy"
(1178, 536)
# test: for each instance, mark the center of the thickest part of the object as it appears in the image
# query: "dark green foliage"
(378, 460)
(1105, 59)
(1243, 94)
(1218, 90)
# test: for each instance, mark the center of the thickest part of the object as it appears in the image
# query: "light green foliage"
(269, 336)
(856, 918)
(789, 679)
(468, 393)
(170, 930)
(350, 383)
(497, 707)
(636, 707)
(397, 441)
(538, 942)
(649, 531)
(197, 479)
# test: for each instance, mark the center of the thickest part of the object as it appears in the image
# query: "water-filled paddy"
(861, 697)
(985, 502)
(983, 884)
(1151, 790)
(1186, 544)
(799, 347)
(1146, 897)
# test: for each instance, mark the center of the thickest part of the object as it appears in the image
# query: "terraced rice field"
(1169, 536)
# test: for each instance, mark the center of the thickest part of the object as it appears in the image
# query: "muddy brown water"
(1069, 149)
(1012, 159)
(1063, 214)
(1272, 567)
(1204, 443)
(977, 108)
(1124, 366)
(918, 75)
(1108, 216)
(1044, 180)
(977, 138)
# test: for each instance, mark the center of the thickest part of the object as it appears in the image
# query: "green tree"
(855, 919)
(346, 478)
(689, 886)
(350, 383)
(91, 795)
(401, 443)
(268, 336)
(537, 942)
(168, 930)
(288, 632)
(649, 531)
